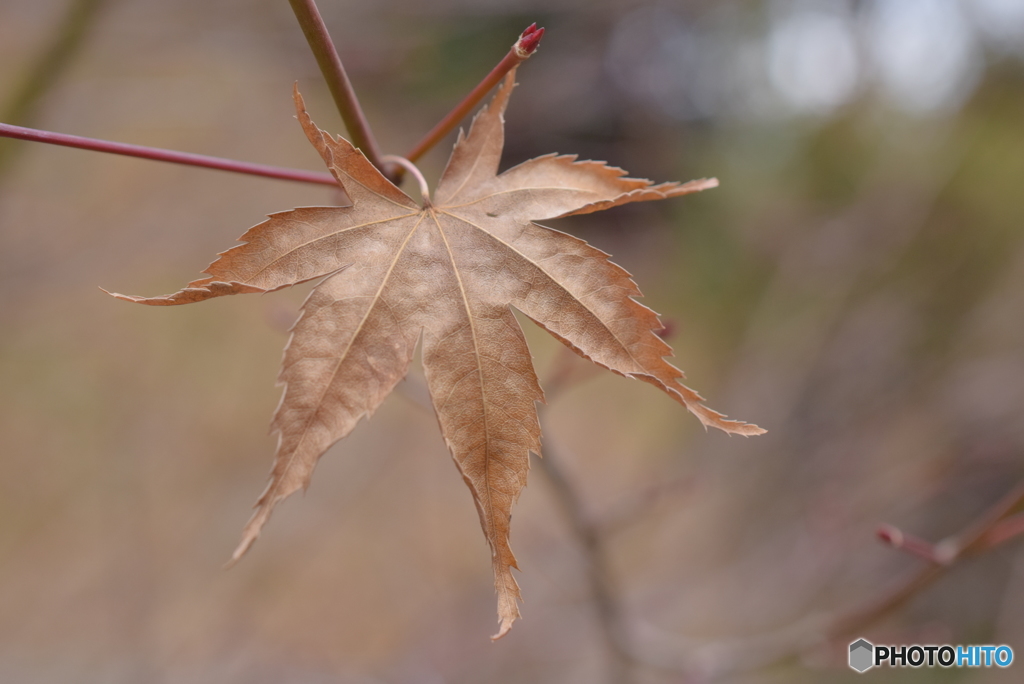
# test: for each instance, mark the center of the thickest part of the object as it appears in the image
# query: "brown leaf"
(447, 272)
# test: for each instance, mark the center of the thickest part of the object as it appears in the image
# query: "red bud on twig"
(528, 41)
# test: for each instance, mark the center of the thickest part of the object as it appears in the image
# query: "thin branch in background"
(634, 507)
(603, 593)
(172, 156)
(915, 546)
(1003, 531)
(994, 527)
(521, 50)
(20, 108)
(674, 654)
(327, 58)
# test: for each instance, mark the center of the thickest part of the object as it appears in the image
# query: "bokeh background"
(856, 286)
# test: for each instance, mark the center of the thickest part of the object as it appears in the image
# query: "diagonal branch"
(158, 154)
(995, 526)
(604, 595)
(327, 58)
(523, 48)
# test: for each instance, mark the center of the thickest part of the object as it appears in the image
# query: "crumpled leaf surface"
(446, 272)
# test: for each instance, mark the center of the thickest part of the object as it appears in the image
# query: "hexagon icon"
(862, 655)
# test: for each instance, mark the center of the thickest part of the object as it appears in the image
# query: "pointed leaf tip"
(506, 626)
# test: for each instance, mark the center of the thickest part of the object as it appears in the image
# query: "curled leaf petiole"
(411, 168)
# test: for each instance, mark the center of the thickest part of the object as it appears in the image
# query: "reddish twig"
(915, 546)
(1005, 530)
(520, 52)
(327, 58)
(158, 154)
(995, 526)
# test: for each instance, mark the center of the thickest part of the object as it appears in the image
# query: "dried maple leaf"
(448, 271)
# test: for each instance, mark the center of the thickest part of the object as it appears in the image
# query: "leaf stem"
(415, 172)
(523, 48)
(327, 58)
(158, 154)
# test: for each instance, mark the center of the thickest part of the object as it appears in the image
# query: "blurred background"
(855, 286)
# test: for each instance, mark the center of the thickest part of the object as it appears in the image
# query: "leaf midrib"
(325, 237)
(554, 280)
(483, 394)
(341, 357)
